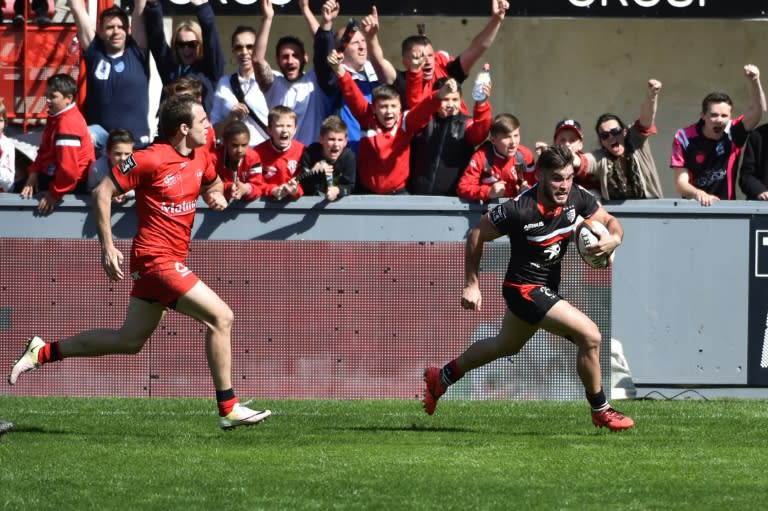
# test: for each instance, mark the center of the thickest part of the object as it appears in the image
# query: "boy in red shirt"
(501, 167)
(281, 155)
(385, 136)
(237, 164)
(66, 151)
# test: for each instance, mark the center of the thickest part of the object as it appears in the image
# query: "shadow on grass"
(412, 427)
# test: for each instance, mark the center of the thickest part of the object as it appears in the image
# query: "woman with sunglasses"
(195, 47)
(624, 165)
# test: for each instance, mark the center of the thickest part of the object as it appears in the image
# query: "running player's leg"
(204, 305)
(140, 321)
(568, 321)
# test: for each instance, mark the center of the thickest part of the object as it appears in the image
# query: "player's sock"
(226, 400)
(49, 353)
(597, 401)
(450, 373)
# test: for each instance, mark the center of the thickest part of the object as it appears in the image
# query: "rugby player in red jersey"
(168, 177)
(539, 223)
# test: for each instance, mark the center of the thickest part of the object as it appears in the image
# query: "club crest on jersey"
(127, 165)
(292, 166)
(497, 214)
(570, 215)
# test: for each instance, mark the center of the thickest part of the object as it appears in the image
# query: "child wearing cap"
(568, 133)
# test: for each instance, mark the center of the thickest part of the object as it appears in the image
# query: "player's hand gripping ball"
(586, 237)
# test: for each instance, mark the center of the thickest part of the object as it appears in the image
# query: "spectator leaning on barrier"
(195, 47)
(238, 164)
(66, 150)
(624, 165)
(281, 156)
(120, 146)
(332, 163)
(499, 167)
(705, 154)
(384, 153)
(117, 72)
(169, 176)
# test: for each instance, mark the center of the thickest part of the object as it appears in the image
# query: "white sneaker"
(242, 416)
(28, 361)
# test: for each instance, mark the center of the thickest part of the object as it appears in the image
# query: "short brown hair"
(504, 124)
(384, 92)
(277, 112)
(333, 124)
(555, 157)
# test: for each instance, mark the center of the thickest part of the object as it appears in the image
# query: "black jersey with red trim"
(539, 238)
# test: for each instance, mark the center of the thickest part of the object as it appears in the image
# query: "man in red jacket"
(66, 152)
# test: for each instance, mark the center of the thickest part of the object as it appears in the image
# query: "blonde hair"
(189, 26)
(3, 112)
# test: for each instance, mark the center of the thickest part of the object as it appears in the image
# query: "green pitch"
(167, 454)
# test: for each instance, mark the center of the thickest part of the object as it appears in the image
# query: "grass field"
(146, 454)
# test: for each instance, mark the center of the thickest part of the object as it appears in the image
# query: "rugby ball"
(586, 237)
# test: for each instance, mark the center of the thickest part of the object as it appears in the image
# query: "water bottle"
(483, 77)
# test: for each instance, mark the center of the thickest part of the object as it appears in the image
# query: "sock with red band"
(226, 400)
(49, 353)
(450, 373)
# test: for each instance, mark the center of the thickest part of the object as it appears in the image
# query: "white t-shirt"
(304, 97)
(7, 163)
(224, 100)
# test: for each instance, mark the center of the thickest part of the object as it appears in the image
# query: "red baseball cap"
(568, 124)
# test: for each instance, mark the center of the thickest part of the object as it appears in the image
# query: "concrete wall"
(545, 69)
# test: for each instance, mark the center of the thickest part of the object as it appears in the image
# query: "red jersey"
(66, 151)
(488, 167)
(279, 166)
(384, 156)
(167, 186)
(249, 171)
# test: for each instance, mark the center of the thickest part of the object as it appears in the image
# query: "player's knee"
(224, 319)
(133, 345)
(592, 338)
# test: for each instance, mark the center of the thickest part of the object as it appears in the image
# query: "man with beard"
(539, 223)
(705, 154)
(291, 86)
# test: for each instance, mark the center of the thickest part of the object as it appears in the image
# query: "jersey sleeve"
(504, 216)
(135, 170)
(586, 204)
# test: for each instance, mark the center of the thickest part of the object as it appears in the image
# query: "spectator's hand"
(449, 87)
(292, 187)
(763, 196)
(334, 61)
(371, 24)
(329, 11)
(279, 192)
(416, 59)
(111, 261)
(47, 203)
(499, 8)
(333, 193)
(706, 199)
(539, 148)
(471, 298)
(215, 200)
(487, 88)
(267, 9)
(497, 190)
(523, 186)
(752, 72)
(654, 87)
(119, 199)
(30, 187)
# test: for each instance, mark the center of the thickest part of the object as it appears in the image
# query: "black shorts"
(529, 302)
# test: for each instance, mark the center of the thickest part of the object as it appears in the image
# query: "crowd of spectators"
(353, 123)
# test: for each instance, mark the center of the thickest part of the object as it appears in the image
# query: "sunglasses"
(186, 44)
(605, 135)
(240, 47)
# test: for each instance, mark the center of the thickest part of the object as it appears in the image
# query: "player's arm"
(111, 257)
(482, 232)
(607, 242)
(484, 39)
(755, 113)
(213, 194)
(86, 28)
